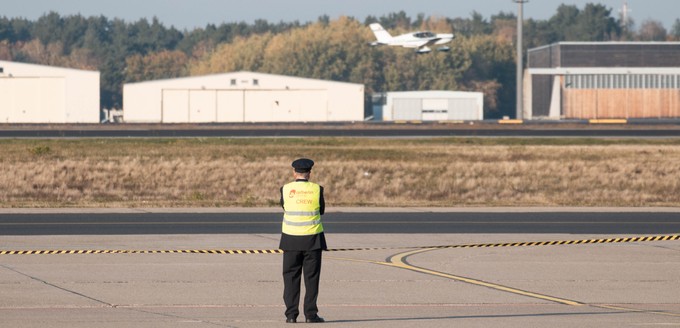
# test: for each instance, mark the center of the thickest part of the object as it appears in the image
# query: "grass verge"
(216, 172)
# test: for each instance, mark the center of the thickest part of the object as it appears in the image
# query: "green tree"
(72, 31)
(539, 33)
(491, 69)
(397, 20)
(48, 28)
(564, 20)
(675, 31)
(471, 26)
(593, 23)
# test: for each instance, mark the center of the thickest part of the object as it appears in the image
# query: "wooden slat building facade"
(592, 80)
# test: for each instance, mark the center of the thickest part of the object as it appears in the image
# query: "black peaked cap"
(303, 165)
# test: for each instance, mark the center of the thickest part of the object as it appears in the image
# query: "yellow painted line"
(451, 122)
(407, 122)
(510, 121)
(608, 121)
(398, 261)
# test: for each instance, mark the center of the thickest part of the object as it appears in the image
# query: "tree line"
(482, 56)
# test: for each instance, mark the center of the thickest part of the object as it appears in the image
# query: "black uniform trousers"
(296, 263)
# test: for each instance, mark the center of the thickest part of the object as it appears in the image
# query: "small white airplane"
(421, 40)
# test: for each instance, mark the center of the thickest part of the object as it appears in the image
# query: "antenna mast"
(624, 15)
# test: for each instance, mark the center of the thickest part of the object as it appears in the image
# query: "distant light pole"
(520, 66)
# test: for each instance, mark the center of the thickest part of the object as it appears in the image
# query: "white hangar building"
(242, 97)
(44, 94)
(433, 106)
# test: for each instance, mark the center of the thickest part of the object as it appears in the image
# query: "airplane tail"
(380, 33)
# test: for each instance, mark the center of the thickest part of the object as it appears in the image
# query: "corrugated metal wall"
(620, 103)
(606, 54)
(407, 109)
(620, 55)
(541, 95)
(204, 106)
(436, 109)
(463, 109)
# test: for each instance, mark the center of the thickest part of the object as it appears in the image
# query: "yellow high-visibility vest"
(301, 207)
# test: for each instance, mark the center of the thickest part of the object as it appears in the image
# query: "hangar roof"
(430, 94)
(240, 80)
(10, 68)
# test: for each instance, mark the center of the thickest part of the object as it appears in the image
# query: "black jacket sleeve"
(322, 202)
(281, 200)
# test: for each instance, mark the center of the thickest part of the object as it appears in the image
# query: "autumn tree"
(241, 54)
(154, 66)
(652, 30)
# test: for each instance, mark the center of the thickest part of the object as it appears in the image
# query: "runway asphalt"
(343, 129)
(344, 220)
(616, 282)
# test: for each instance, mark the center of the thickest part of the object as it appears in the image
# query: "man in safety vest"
(302, 241)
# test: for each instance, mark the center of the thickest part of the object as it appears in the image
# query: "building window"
(2, 70)
(233, 81)
(256, 82)
(622, 81)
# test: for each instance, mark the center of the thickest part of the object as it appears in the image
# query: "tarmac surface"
(344, 220)
(667, 128)
(379, 283)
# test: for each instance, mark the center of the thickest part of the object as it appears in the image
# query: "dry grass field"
(355, 172)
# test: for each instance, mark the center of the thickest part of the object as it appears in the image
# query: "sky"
(189, 14)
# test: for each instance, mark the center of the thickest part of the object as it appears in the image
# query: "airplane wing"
(432, 41)
(423, 43)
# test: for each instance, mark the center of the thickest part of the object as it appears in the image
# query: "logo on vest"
(291, 194)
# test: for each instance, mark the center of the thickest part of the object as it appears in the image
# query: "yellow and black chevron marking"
(278, 251)
(113, 251)
(533, 243)
(568, 242)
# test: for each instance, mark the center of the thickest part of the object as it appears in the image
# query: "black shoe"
(315, 319)
(291, 320)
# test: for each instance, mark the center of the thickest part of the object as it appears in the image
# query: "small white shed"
(44, 94)
(433, 106)
(242, 97)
